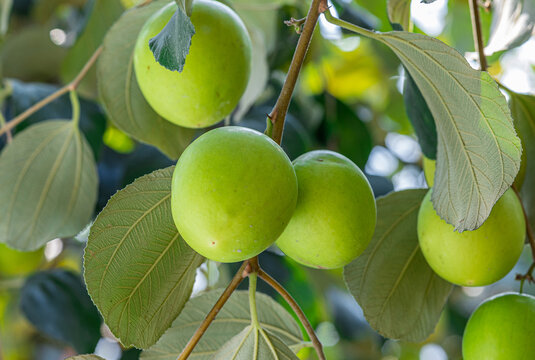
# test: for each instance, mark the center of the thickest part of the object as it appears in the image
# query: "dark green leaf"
(523, 110)
(401, 296)
(346, 131)
(231, 320)
(57, 304)
(121, 96)
(24, 95)
(420, 117)
(48, 185)
(138, 270)
(171, 46)
(103, 14)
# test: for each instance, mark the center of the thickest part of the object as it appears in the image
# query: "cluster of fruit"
(235, 192)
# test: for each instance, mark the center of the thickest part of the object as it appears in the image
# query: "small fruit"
(234, 191)
(473, 258)
(501, 328)
(17, 263)
(215, 74)
(335, 216)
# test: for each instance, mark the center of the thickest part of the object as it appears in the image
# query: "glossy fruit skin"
(215, 74)
(473, 258)
(233, 192)
(335, 216)
(17, 263)
(501, 328)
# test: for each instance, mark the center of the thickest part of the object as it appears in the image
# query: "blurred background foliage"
(349, 99)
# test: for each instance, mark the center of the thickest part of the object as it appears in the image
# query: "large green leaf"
(523, 110)
(478, 154)
(399, 12)
(420, 117)
(254, 343)
(48, 185)
(121, 96)
(402, 298)
(230, 321)
(103, 15)
(57, 304)
(138, 270)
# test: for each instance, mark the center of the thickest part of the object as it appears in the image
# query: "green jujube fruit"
(473, 258)
(215, 74)
(233, 192)
(335, 216)
(501, 328)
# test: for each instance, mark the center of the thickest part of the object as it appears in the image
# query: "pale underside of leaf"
(120, 93)
(254, 343)
(48, 185)
(478, 153)
(230, 321)
(138, 270)
(401, 296)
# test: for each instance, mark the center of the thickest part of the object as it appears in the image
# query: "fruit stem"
(278, 114)
(65, 89)
(527, 276)
(297, 309)
(241, 274)
(252, 299)
(478, 35)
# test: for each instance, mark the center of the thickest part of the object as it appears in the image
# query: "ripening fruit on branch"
(501, 328)
(17, 263)
(429, 171)
(215, 74)
(335, 216)
(473, 258)
(233, 192)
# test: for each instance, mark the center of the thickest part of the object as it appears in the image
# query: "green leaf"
(103, 14)
(57, 304)
(478, 153)
(513, 22)
(523, 110)
(121, 96)
(347, 131)
(138, 270)
(254, 343)
(85, 357)
(230, 321)
(48, 185)
(399, 12)
(171, 46)
(402, 298)
(421, 119)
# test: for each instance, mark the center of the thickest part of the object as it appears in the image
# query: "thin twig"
(300, 314)
(278, 114)
(65, 89)
(238, 278)
(527, 276)
(478, 35)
